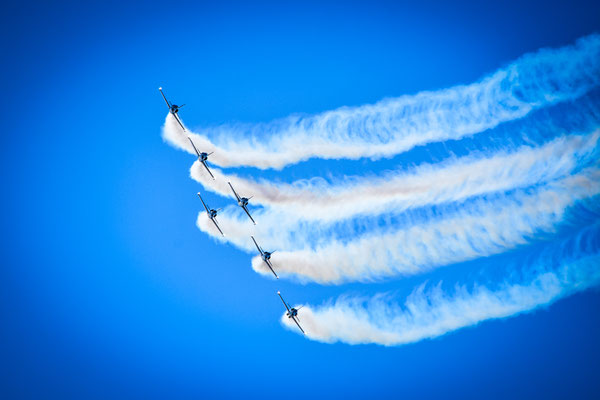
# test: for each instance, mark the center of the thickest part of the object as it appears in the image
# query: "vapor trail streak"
(427, 184)
(396, 125)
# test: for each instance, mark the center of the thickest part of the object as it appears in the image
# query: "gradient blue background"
(108, 288)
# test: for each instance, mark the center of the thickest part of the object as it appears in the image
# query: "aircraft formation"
(242, 202)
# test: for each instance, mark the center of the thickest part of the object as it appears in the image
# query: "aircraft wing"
(298, 325)
(204, 204)
(245, 209)
(195, 149)
(178, 121)
(166, 101)
(257, 246)
(283, 301)
(271, 268)
(217, 225)
(206, 166)
(236, 195)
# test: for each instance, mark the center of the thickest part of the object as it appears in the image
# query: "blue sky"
(110, 290)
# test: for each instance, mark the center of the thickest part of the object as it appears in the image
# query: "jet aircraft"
(212, 214)
(173, 108)
(266, 256)
(242, 202)
(202, 157)
(291, 312)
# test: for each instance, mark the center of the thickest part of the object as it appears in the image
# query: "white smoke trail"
(432, 313)
(396, 125)
(427, 184)
(480, 228)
